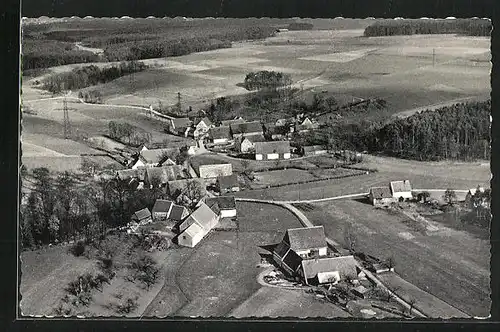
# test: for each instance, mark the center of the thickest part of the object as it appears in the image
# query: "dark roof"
(281, 249)
(254, 138)
(400, 186)
(154, 155)
(165, 173)
(228, 182)
(177, 212)
(143, 214)
(380, 192)
(346, 265)
(181, 122)
(306, 238)
(224, 202)
(246, 127)
(292, 260)
(206, 121)
(162, 205)
(214, 206)
(272, 147)
(220, 132)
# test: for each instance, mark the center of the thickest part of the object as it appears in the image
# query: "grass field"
(449, 264)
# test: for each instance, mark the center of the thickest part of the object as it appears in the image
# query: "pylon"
(67, 125)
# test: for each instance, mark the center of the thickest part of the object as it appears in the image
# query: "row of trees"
(460, 132)
(83, 77)
(471, 27)
(123, 130)
(264, 79)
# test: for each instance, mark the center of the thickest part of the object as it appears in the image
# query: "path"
(433, 107)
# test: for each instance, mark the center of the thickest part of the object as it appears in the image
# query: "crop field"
(449, 264)
(275, 302)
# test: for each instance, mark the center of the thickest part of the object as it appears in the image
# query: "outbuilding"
(228, 184)
(220, 135)
(401, 190)
(381, 196)
(226, 205)
(272, 150)
(196, 226)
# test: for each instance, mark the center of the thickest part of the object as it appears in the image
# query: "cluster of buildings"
(396, 191)
(303, 254)
(267, 141)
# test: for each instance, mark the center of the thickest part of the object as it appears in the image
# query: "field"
(435, 262)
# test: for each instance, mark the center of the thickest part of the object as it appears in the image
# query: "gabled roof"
(177, 213)
(380, 192)
(474, 190)
(292, 260)
(254, 138)
(346, 265)
(220, 132)
(162, 205)
(153, 156)
(305, 238)
(272, 147)
(281, 122)
(400, 186)
(228, 182)
(194, 228)
(214, 207)
(224, 202)
(246, 127)
(233, 121)
(215, 170)
(205, 120)
(312, 148)
(165, 173)
(181, 122)
(203, 215)
(142, 214)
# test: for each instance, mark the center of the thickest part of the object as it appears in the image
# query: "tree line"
(128, 134)
(86, 76)
(63, 208)
(457, 132)
(470, 27)
(264, 79)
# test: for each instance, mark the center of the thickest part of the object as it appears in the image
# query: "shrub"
(78, 249)
(128, 306)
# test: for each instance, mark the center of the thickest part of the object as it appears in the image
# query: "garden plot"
(281, 177)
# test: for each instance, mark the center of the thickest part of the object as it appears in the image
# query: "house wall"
(159, 215)
(321, 251)
(246, 146)
(187, 240)
(404, 194)
(382, 201)
(258, 156)
(273, 156)
(138, 164)
(286, 155)
(213, 171)
(220, 141)
(228, 213)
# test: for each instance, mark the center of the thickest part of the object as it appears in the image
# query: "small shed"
(360, 291)
(142, 216)
(161, 209)
(228, 184)
(226, 205)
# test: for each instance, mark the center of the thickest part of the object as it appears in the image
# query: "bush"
(127, 307)
(78, 249)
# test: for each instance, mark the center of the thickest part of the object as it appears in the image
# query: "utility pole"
(67, 125)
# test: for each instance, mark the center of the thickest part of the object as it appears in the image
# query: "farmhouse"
(328, 269)
(381, 196)
(225, 204)
(305, 126)
(180, 126)
(401, 189)
(159, 176)
(272, 150)
(198, 224)
(236, 120)
(246, 129)
(307, 241)
(178, 187)
(227, 184)
(201, 128)
(313, 150)
(155, 157)
(142, 216)
(212, 171)
(246, 144)
(220, 135)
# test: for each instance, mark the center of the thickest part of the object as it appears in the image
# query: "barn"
(160, 176)
(227, 184)
(155, 157)
(246, 129)
(381, 196)
(196, 226)
(272, 150)
(220, 135)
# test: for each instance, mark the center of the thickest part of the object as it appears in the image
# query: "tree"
(193, 190)
(450, 196)
(350, 239)
(390, 262)
(88, 166)
(411, 303)
(182, 156)
(425, 196)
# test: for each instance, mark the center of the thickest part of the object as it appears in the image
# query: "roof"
(306, 238)
(281, 249)
(215, 170)
(177, 212)
(142, 214)
(181, 122)
(380, 192)
(312, 148)
(233, 121)
(254, 138)
(400, 186)
(204, 216)
(181, 184)
(165, 173)
(214, 207)
(162, 205)
(292, 260)
(281, 122)
(224, 202)
(205, 120)
(228, 182)
(153, 156)
(474, 190)
(220, 132)
(272, 147)
(246, 127)
(194, 229)
(346, 265)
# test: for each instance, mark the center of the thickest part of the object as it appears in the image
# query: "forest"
(469, 27)
(458, 132)
(83, 77)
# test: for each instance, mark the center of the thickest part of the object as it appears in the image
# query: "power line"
(67, 125)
